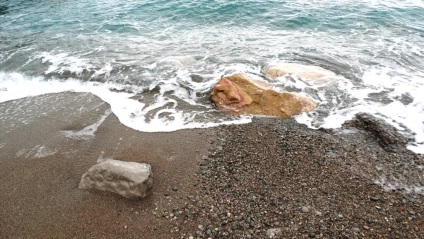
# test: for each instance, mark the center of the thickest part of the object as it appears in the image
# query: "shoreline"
(200, 182)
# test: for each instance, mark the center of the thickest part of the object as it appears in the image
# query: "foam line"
(87, 132)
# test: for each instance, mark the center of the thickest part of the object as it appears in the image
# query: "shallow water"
(155, 62)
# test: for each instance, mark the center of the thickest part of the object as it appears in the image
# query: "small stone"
(356, 230)
(318, 213)
(366, 227)
(200, 227)
(305, 209)
(190, 237)
(375, 199)
(273, 232)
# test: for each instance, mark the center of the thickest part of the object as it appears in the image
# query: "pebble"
(305, 209)
(200, 227)
(273, 232)
(355, 230)
(366, 227)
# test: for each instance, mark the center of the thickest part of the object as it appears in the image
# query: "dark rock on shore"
(386, 135)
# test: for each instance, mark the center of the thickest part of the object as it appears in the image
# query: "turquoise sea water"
(156, 61)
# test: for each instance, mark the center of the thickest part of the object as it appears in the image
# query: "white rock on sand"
(128, 179)
(311, 74)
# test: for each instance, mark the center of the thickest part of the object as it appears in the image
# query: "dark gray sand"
(229, 182)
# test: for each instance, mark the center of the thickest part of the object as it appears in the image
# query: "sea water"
(155, 62)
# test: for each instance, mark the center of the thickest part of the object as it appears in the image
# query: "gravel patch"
(279, 179)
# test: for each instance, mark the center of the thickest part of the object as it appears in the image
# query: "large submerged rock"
(128, 179)
(311, 74)
(176, 61)
(240, 94)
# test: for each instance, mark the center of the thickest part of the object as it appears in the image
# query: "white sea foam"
(88, 131)
(62, 62)
(131, 112)
(39, 151)
(42, 152)
(399, 185)
(405, 116)
(165, 114)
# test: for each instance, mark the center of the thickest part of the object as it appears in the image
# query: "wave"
(155, 62)
(161, 112)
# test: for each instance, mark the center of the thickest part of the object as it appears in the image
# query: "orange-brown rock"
(240, 94)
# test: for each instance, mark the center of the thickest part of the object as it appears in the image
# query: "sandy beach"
(234, 181)
(40, 195)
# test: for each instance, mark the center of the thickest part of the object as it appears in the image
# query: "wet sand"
(40, 196)
(229, 182)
